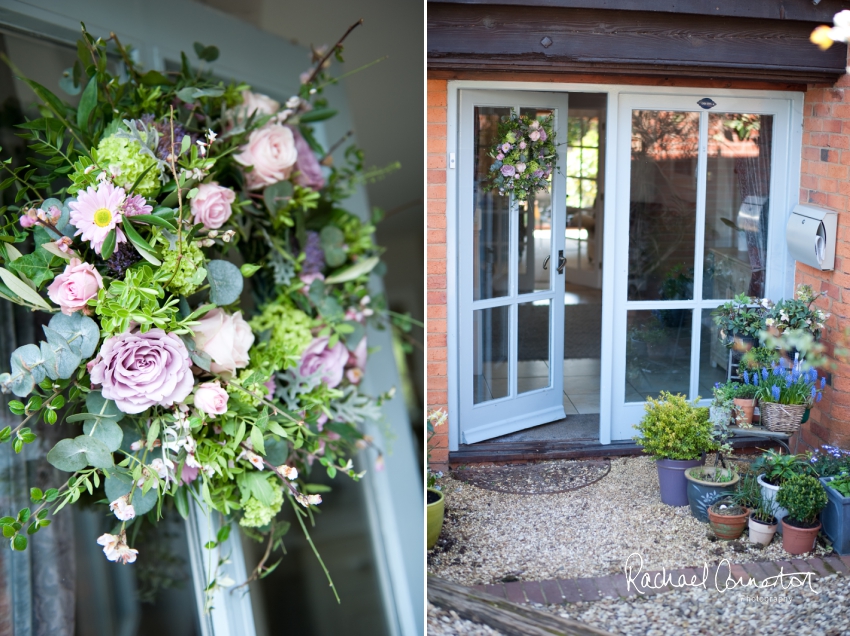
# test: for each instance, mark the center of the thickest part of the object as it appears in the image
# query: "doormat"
(539, 478)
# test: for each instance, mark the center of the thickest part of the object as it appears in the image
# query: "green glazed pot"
(436, 512)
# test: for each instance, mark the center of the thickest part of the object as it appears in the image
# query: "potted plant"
(804, 497)
(727, 518)
(762, 524)
(773, 470)
(722, 404)
(745, 400)
(676, 433)
(759, 358)
(798, 313)
(436, 502)
(740, 321)
(707, 484)
(784, 395)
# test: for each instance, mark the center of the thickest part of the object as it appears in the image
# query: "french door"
(701, 206)
(510, 276)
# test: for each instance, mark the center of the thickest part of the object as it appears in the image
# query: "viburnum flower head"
(96, 212)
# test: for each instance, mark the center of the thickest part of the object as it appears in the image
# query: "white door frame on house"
(158, 30)
(786, 178)
(519, 406)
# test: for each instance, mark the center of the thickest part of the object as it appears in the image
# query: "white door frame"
(626, 415)
(517, 410)
(783, 274)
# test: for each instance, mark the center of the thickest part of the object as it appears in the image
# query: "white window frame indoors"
(782, 275)
(159, 30)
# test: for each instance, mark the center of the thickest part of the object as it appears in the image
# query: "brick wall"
(436, 270)
(825, 181)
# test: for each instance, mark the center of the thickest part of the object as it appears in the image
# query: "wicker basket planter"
(782, 418)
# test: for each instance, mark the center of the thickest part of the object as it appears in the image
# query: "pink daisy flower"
(96, 212)
(136, 204)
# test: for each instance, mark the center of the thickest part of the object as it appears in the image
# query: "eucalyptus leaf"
(67, 455)
(225, 282)
(105, 430)
(67, 360)
(81, 332)
(120, 484)
(97, 453)
(277, 451)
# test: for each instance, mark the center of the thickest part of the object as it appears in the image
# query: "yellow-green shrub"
(674, 428)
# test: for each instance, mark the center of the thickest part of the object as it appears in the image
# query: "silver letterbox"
(810, 235)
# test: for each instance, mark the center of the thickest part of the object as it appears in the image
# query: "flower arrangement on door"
(524, 156)
(137, 221)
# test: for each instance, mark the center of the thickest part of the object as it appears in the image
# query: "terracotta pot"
(436, 512)
(744, 411)
(728, 527)
(798, 540)
(761, 532)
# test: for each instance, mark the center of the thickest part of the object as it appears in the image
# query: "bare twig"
(331, 51)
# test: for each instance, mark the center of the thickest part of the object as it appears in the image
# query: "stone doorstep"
(556, 592)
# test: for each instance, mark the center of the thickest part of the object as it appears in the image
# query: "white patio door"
(510, 299)
(702, 199)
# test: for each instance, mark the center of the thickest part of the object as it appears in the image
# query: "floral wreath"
(525, 156)
(146, 194)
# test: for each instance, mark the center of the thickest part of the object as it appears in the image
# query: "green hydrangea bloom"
(289, 335)
(128, 156)
(252, 382)
(256, 514)
(190, 273)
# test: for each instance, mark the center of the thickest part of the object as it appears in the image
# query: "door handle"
(562, 261)
(546, 262)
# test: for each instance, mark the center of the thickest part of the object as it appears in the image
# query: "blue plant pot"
(701, 494)
(672, 482)
(836, 518)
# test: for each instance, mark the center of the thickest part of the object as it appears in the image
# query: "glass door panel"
(509, 305)
(491, 238)
(736, 204)
(662, 204)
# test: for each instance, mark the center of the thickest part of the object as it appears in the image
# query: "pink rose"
(141, 370)
(211, 399)
(211, 206)
(307, 167)
(258, 104)
(226, 339)
(329, 362)
(74, 287)
(272, 153)
(534, 135)
(308, 279)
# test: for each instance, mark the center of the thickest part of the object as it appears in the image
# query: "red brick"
(436, 192)
(440, 99)
(436, 267)
(436, 162)
(436, 251)
(437, 221)
(437, 237)
(439, 176)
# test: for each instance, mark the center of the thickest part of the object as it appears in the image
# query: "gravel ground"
(739, 611)
(490, 536)
(443, 623)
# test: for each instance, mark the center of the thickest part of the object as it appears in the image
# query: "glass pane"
(533, 346)
(491, 231)
(736, 204)
(658, 353)
(535, 233)
(662, 205)
(490, 354)
(713, 355)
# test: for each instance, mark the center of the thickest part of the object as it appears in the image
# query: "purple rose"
(307, 166)
(538, 174)
(141, 370)
(543, 134)
(508, 170)
(506, 147)
(329, 361)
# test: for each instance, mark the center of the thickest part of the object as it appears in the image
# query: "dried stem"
(331, 51)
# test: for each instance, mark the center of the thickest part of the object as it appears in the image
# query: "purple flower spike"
(775, 393)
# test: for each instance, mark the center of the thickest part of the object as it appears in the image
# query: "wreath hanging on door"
(524, 154)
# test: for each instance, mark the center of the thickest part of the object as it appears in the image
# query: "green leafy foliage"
(674, 428)
(804, 497)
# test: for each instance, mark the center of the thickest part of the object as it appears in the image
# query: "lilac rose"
(329, 361)
(543, 134)
(309, 171)
(140, 370)
(500, 156)
(508, 170)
